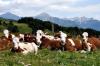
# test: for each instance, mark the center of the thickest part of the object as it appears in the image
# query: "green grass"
(50, 58)
(23, 28)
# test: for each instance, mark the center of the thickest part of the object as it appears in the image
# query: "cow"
(47, 41)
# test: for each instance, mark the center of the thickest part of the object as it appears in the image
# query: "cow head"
(39, 35)
(63, 37)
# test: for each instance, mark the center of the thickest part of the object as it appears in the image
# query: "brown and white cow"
(23, 47)
(91, 43)
(6, 41)
(47, 41)
(69, 43)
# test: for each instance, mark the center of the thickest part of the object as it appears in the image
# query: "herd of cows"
(26, 43)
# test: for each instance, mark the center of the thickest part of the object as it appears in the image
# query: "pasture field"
(23, 28)
(50, 58)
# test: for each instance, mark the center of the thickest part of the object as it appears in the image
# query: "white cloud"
(55, 7)
(89, 11)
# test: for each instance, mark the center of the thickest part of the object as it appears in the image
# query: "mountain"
(56, 20)
(81, 19)
(82, 22)
(9, 15)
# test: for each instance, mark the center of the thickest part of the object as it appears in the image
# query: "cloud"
(61, 8)
(70, 11)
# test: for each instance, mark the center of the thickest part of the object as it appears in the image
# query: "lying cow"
(24, 47)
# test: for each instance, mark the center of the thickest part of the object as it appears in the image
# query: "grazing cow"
(47, 41)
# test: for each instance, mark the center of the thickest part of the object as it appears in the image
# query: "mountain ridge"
(81, 22)
(9, 15)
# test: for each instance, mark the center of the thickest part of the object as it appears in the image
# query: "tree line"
(36, 24)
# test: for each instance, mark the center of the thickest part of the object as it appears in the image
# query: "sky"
(57, 8)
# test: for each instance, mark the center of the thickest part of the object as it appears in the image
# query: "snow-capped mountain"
(82, 22)
(81, 19)
(85, 22)
(56, 20)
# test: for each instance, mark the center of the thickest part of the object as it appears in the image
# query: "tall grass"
(50, 58)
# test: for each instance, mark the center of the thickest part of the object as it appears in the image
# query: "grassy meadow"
(50, 58)
(46, 57)
(23, 28)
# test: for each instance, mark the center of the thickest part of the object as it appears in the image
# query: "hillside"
(23, 28)
(13, 26)
(31, 25)
(36, 24)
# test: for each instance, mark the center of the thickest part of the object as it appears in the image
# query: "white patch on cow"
(85, 39)
(16, 42)
(89, 47)
(6, 33)
(72, 42)
(28, 47)
(63, 36)
(21, 36)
